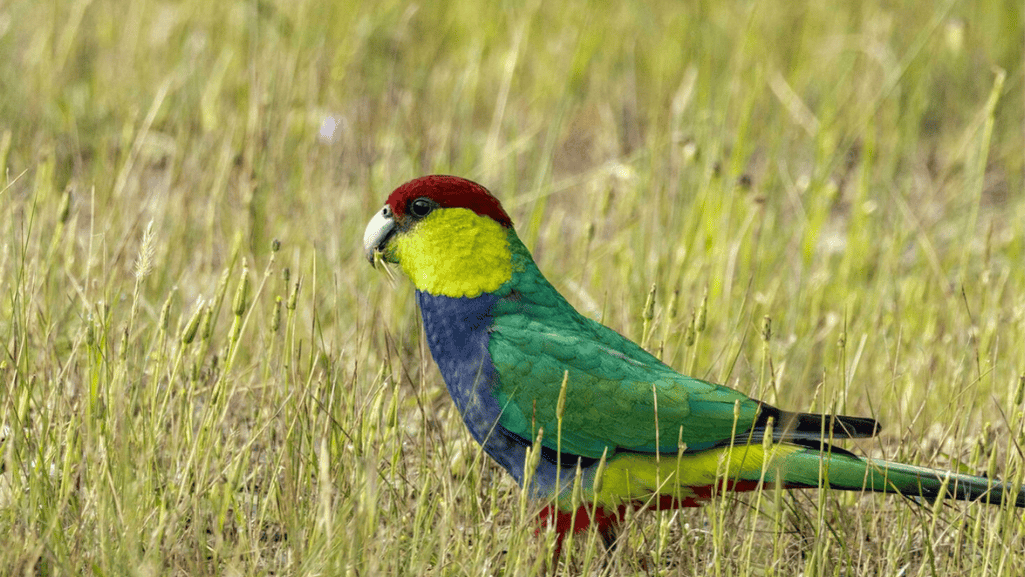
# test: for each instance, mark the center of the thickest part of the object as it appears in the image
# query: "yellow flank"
(455, 252)
(637, 478)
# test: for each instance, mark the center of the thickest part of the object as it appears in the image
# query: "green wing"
(536, 337)
(612, 390)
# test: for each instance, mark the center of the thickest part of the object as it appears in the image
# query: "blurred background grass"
(852, 171)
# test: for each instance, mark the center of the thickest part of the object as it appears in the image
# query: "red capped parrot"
(522, 365)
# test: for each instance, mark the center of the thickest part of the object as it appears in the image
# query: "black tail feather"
(803, 428)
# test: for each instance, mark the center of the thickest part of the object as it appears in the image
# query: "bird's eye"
(421, 207)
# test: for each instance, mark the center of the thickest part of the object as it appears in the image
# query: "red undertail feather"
(576, 521)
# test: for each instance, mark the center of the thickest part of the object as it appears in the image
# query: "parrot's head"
(450, 236)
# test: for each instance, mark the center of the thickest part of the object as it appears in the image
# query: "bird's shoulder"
(540, 336)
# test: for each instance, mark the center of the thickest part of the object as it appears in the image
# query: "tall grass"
(201, 375)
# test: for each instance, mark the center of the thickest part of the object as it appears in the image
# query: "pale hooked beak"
(378, 233)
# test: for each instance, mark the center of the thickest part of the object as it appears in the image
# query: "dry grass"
(852, 171)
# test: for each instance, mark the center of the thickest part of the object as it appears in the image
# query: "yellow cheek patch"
(455, 252)
(638, 478)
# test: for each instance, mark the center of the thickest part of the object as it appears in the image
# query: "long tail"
(644, 480)
(842, 470)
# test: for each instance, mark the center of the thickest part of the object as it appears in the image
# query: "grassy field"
(202, 376)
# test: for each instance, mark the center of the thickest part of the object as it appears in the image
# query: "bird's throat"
(456, 253)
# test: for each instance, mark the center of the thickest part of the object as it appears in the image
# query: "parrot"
(589, 423)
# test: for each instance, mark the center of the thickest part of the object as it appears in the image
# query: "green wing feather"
(612, 390)
(613, 383)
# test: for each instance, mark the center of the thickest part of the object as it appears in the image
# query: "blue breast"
(457, 333)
